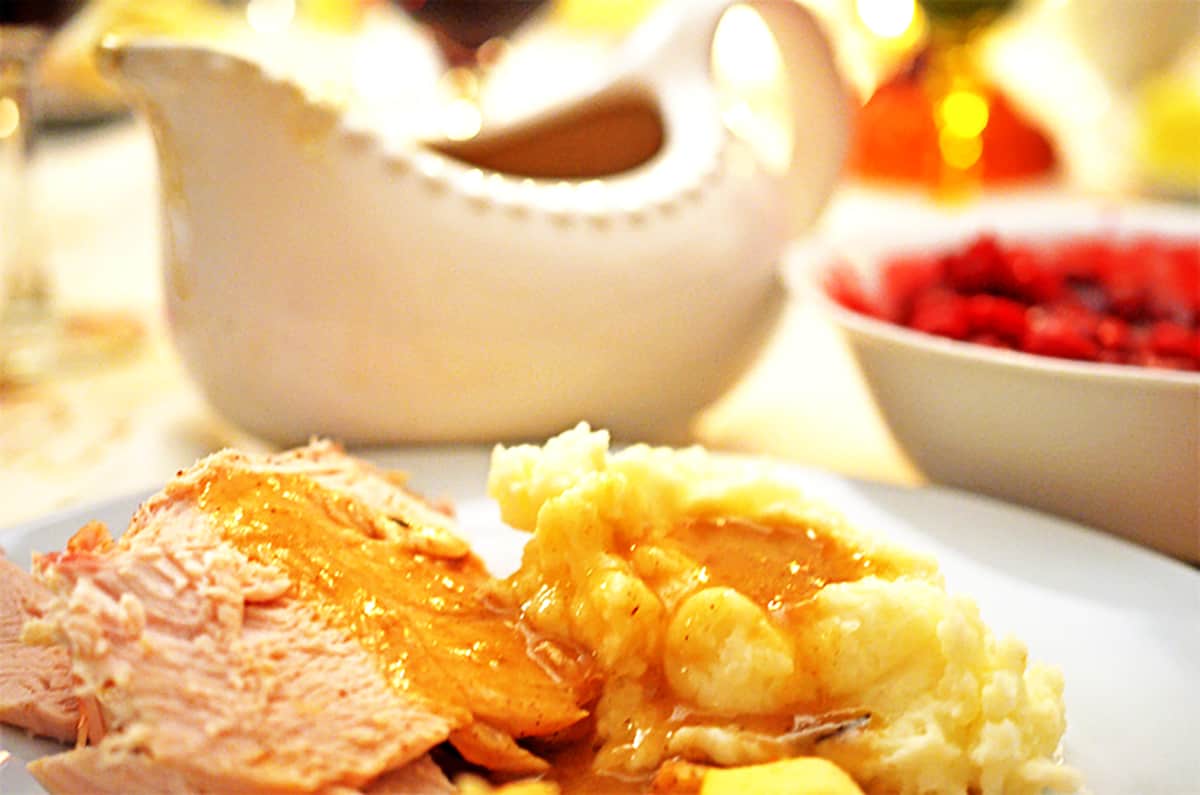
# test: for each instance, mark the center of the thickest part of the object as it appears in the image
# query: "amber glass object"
(940, 123)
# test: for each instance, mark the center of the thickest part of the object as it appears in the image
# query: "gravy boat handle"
(676, 44)
(821, 109)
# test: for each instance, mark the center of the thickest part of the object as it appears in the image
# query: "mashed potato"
(738, 622)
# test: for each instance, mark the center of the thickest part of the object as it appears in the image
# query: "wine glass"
(470, 35)
(36, 342)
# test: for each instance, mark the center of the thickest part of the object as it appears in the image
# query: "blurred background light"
(744, 51)
(461, 119)
(963, 113)
(270, 16)
(10, 117)
(889, 19)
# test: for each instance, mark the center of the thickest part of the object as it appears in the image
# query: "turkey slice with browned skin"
(406, 587)
(203, 666)
(36, 692)
(95, 772)
(295, 623)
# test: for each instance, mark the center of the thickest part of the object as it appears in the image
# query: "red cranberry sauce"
(1124, 301)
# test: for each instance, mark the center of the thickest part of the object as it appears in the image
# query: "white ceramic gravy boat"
(611, 259)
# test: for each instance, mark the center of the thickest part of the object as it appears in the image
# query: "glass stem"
(955, 89)
(26, 290)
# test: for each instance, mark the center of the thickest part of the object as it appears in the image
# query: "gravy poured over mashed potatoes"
(737, 622)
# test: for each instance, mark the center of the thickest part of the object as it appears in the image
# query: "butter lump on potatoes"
(738, 622)
(802, 776)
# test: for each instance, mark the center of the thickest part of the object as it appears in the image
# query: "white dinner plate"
(1122, 623)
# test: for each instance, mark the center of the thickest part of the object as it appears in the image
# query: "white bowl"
(1113, 446)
